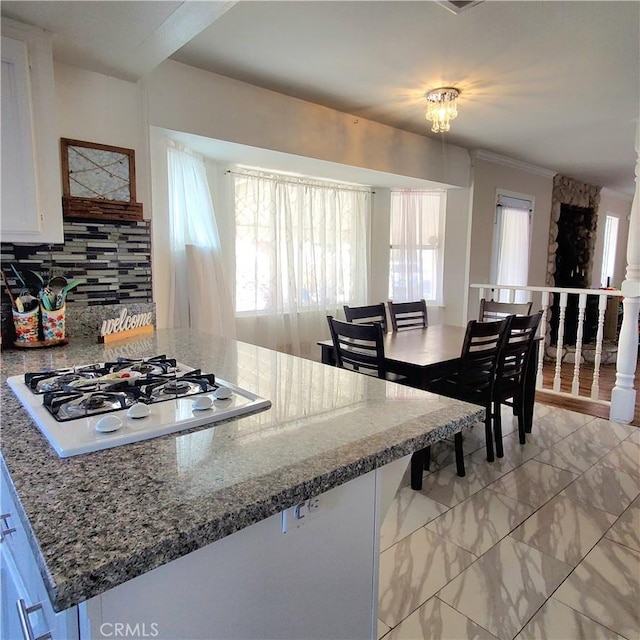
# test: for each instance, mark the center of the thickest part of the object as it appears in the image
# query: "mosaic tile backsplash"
(113, 260)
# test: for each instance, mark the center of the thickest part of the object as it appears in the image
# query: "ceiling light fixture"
(442, 106)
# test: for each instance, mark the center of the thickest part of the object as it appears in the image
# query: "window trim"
(609, 216)
(505, 194)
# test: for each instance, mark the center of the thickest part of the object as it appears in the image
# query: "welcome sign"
(126, 326)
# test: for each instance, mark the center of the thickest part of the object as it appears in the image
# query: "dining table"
(425, 354)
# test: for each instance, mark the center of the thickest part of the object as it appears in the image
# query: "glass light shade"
(442, 107)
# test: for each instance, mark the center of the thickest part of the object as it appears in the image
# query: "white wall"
(379, 248)
(488, 177)
(456, 259)
(96, 108)
(619, 206)
(182, 98)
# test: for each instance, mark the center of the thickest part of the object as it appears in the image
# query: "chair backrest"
(367, 315)
(408, 315)
(491, 310)
(481, 349)
(358, 347)
(512, 363)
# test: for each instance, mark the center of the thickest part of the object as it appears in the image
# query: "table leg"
(417, 469)
(530, 388)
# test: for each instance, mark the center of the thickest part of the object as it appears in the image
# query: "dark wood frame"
(98, 208)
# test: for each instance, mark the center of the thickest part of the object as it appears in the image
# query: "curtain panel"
(301, 253)
(513, 240)
(199, 296)
(417, 245)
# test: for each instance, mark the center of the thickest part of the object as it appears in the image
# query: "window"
(417, 247)
(300, 244)
(609, 251)
(510, 258)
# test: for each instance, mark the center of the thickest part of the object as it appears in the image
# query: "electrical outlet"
(295, 517)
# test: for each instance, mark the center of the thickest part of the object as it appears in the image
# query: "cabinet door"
(22, 584)
(19, 204)
(31, 193)
(15, 593)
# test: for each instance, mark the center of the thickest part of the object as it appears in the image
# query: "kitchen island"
(137, 522)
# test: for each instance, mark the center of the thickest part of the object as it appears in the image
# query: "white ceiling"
(553, 84)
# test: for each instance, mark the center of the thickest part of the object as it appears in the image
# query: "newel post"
(623, 396)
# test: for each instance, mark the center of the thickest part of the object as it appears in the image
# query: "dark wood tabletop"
(420, 354)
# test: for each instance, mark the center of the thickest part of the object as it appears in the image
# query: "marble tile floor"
(542, 544)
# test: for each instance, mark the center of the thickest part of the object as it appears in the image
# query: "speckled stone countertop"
(100, 519)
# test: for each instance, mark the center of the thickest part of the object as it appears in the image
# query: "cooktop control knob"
(222, 393)
(202, 403)
(138, 410)
(107, 424)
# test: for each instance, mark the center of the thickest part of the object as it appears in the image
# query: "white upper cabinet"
(31, 191)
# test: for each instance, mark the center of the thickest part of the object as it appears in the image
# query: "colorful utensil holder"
(53, 323)
(26, 325)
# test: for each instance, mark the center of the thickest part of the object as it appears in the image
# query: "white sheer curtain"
(417, 230)
(301, 253)
(199, 295)
(512, 267)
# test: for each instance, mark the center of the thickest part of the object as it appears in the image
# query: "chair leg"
(518, 406)
(457, 439)
(497, 428)
(427, 458)
(417, 467)
(488, 434)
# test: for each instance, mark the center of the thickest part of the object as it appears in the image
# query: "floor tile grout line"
(515, 465)
(566, 605)
(575, 566)
(620, 544)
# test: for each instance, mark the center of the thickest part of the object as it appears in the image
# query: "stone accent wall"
(578, 194)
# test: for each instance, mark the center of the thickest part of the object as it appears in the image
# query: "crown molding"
(616, 194)
(495, 158)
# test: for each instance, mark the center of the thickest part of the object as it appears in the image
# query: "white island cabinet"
(31, 193)
(308, 572)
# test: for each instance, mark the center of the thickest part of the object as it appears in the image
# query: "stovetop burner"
(153, 366)
(69, 405)
(110, 392)
(160, 388)
(41, 382)
(91, 377)
(106, 404)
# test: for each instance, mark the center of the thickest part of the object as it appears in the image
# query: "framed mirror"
(98, 181)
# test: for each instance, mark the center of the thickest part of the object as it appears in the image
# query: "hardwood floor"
(606, 383)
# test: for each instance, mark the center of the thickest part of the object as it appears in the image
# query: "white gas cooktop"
(141, 420)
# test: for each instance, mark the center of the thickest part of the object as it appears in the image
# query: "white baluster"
(595, 385)
(544, 305)
(560, 341)
(623, 396)
(511, 295)
(582, 305)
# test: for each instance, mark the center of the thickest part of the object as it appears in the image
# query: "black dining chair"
(491, 310)
(408, 315)
(472, 381)
(509, 387)
(367, 314)
(358, 347)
